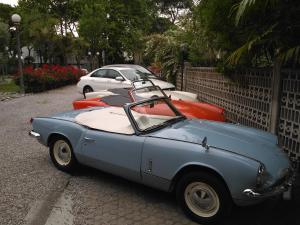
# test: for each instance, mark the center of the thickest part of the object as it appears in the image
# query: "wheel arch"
(87, 85)
(196, 167)
(55, 136)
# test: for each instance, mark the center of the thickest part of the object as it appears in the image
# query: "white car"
(116, 77)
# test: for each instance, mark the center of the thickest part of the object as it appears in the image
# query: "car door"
(113, 83)
(114, 153)
(99, 81)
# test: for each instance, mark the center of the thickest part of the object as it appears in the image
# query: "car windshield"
(147, 92)
(153, 114)
(134, 74)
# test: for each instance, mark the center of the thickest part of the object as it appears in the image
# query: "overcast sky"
(10, 2)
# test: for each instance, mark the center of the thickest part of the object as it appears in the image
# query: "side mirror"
(119, 78)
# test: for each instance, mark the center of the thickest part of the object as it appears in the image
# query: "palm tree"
(165, 48)
(275, 30)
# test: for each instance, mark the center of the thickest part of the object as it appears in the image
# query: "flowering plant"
(48, 77)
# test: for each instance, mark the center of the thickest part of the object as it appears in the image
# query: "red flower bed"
(48, 77)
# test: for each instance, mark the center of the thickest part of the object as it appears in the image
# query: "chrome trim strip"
(34, 134)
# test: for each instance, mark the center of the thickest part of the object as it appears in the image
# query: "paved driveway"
(32, 191)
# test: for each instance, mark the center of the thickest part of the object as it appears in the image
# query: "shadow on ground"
(275, 211)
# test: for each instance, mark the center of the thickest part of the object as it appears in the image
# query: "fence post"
(276, 96)
(186, 66)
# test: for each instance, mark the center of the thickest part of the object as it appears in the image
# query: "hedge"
(48, 77)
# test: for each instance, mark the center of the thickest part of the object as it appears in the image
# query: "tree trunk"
(61, 27)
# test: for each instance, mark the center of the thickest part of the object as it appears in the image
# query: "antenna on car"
(204, 143)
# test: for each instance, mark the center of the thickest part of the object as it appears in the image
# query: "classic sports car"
(121, 96)
(209, 165)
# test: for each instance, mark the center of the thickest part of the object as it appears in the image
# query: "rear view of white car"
(116, 77)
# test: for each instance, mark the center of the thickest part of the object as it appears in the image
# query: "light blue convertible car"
(209, 165)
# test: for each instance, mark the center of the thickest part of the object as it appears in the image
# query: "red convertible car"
(121, 96)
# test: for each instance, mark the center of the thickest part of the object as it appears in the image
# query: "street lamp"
(16, 19)
(98, 58)
(90, 59)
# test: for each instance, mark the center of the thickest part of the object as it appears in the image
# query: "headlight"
(260, 178)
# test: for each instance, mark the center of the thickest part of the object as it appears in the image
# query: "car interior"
(114, 119)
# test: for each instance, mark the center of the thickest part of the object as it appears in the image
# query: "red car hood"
(200, 110)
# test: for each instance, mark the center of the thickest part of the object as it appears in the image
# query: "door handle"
(89, 139)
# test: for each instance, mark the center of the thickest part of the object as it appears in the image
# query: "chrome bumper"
(277, 190)
(34, 134)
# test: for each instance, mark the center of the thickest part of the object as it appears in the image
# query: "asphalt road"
(32, 191)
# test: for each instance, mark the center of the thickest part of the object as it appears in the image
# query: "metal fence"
(252, 98)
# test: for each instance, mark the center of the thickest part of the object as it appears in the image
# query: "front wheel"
(87, 89)
(62, 155)
(203, 197)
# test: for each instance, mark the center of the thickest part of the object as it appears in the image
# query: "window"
(112, 74)
(99, 73)
(154, 113)
(134, 75)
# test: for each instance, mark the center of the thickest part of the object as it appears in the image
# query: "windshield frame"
(124, 72)
(157, 88)
(134, 124)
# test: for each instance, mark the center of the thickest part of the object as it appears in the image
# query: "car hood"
(200, 110)
(245, 141)
(162, 84)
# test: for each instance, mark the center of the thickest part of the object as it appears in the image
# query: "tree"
(277, 37)
(115, 26)
(210, 31)
(54, 27)
(4, 40)
(165, 49)
(173, 8)
(5, 13)
(4, 36)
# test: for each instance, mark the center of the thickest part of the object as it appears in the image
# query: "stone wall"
(251, 98)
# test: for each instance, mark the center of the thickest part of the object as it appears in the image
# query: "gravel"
(27, 175)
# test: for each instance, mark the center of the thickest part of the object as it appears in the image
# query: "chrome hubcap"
(202, 199)
(62, 153)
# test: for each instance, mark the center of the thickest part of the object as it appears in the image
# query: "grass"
(8, 85)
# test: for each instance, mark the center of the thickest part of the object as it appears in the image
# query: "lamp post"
(16, 19)
(98, 58)
(90, 59)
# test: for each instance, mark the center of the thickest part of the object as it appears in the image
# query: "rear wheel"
(62, 155)
(203, 197)
(87, 89)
